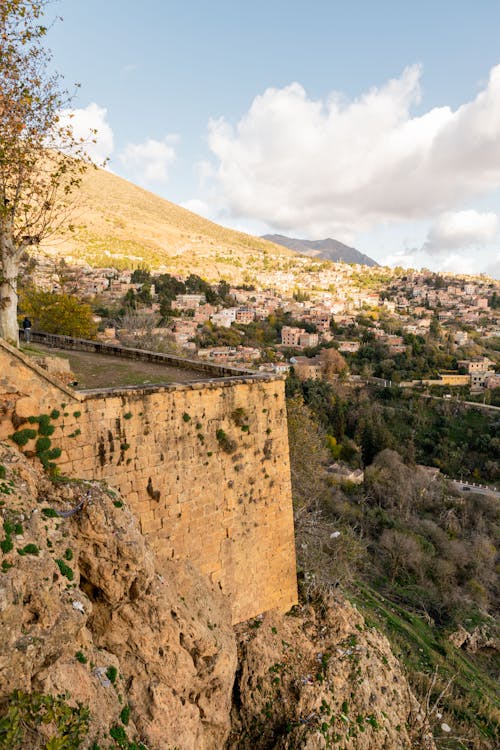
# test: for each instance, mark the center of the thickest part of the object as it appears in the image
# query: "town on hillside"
(438, 332)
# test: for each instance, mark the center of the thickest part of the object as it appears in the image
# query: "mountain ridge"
(328, 249)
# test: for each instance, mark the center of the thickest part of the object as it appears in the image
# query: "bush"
(21, 437)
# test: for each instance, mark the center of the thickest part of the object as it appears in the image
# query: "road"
(465, 486)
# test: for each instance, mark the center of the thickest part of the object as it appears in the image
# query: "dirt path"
(102, 371)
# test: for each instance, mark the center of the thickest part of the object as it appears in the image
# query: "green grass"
(473, 698)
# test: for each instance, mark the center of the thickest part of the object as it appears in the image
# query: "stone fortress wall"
(205, 466)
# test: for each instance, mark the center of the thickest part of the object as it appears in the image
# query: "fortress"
(204, 465)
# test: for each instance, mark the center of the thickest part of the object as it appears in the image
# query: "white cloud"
(337, 167)
(461, 229)
(493, 267)
(198, 206)
(149, 161)
(83, 122)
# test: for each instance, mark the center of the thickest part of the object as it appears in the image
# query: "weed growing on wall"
(226, 443)
(43, 449)
(21, 437)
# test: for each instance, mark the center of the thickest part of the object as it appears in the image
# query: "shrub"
(6, 545)
(29, 549)
(49, 513)
(42, 444)
(23, 714)
(44, 426)
(21, 437)
(65, 570)
(112, 674)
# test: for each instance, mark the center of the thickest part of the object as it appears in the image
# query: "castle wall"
(204, 465)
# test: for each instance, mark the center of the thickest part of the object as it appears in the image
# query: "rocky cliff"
(105, 647)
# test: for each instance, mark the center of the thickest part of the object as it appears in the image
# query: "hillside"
(106, 644)
(327, 249)
(117, 223)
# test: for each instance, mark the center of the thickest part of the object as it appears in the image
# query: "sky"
(375, 123)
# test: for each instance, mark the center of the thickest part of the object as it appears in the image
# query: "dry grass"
(118, 221)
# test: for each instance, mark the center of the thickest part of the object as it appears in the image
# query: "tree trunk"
(9, 272)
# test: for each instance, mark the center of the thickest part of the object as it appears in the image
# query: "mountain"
(119, 224)
(328, 249)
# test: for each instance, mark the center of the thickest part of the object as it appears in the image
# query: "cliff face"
(87, 589)
(320, 678)
(87, 611)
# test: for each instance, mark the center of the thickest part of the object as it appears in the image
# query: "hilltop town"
(376, 318)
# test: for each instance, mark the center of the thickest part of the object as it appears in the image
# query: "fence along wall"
(204, 465)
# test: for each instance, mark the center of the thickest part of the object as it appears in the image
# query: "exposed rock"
(164, 631)
(480, 638)
(320, 678)
(87, 611)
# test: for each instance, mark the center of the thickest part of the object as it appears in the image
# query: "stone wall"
(204, 465)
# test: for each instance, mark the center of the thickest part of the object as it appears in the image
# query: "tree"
(59, 313)
(333, 363)
(41, 161)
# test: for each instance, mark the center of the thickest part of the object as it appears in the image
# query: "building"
(188, 301)
(307, 368)
(308, 340)
(290, 336)
(349, 346)
(224, 318)
(476, 365)
(245, 315)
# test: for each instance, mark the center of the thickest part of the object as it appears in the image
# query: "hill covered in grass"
(117, 223)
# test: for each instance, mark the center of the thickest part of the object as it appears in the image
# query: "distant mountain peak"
(328, 249)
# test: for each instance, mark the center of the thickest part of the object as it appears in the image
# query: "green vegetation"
(65, 570)
(226, 443)
(61, 313)
(112, 674)
(29, 549)
(416, 558)
(49, 513)
(21, 437)
(66, 726)
(460, 440)
(472, 700)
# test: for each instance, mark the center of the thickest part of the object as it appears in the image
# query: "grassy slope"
(472, 701)
(116, 220)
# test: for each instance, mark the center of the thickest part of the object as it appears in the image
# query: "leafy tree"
(130, 299)
(333, 362)
(141, 276)
(41, 160)
(59, 313)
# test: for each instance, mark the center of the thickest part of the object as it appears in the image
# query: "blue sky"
(377, 123)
